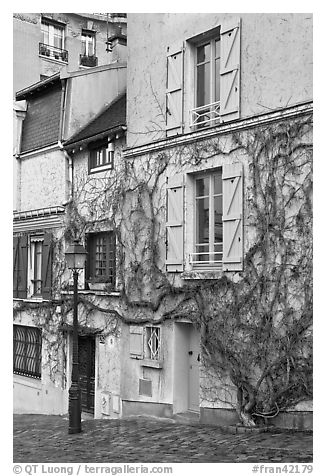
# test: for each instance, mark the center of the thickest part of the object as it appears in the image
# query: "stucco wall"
(133, 370)
(49, 394)
(276, 63)
(28, 66)
(43, 180)
(89, 94)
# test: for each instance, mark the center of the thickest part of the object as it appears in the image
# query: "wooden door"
(86, 356)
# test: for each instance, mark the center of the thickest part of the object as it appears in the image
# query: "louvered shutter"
(136, 336)
(232, 178)
(47, 266)
(174, 90)
(174, 223)
(22, 267)
(15, 265)
(230, 71)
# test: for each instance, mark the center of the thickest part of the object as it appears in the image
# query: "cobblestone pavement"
(44, 439)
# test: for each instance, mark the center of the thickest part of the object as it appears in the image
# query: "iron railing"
(205, 115)
(53, 52)
(86, 60)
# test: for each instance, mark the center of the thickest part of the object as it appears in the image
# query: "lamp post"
(75, 257)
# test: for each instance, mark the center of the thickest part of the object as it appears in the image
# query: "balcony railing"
(207, 259)
(53, 52)
(205, 115)
(89, 61)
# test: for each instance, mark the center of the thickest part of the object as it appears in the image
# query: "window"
(101, 257)
(53, 34)
(207, 82)
(36, 251)
(212, 93)
(101, 157)
(32, 270)
(87, 57)
(208, 219)
(204, 227)
(153, 343)
(27, 350)
(52, 45)
(88, 43)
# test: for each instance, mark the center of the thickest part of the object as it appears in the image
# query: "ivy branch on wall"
(256, 324)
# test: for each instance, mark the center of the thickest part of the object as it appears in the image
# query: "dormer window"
(101, 156)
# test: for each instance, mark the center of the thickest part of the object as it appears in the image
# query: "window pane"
(202, 187)
(203, 53)
(217, 183)
(203, 84)
(218, 219)
(83, 46)
(202, 220)
(57, 38)
(38, 260)
(217, 79)
(45, 32)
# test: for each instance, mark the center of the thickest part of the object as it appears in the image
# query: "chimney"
(117, 45)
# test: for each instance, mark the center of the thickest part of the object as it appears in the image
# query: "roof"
(111, 119)
(36, 87)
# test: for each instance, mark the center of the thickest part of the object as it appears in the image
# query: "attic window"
(101, 157)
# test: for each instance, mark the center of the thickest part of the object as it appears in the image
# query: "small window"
(36, 251)
(208, 219)
(88, 43)
(153, 343)
(27, 351)
(102, 257)
(101, 157)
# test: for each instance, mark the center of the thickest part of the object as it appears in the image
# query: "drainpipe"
(20, 109)
(69, 195)
(63, 108)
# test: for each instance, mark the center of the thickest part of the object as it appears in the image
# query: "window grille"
(27, 347)
(153, 342)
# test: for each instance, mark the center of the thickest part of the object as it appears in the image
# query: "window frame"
(210, 263)
(153, 352)
(212, 70)
(31, 349)
(34, 273)
(92, 245)
(90, 34)
(98, 148)
(210, 110)
(52, 26)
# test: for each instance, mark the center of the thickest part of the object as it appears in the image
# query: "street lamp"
(75, 258)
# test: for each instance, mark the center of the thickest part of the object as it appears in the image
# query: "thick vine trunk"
(244, 408)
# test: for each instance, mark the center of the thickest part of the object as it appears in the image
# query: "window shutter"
(232, 217)
(22, 267)
(230, 71)
(136, 342)
(15, 265)
(47, 266)
(174, 90)
(174, 224)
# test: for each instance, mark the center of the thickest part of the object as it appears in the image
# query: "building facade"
(49, 112)
(46, 42)
(196, 296)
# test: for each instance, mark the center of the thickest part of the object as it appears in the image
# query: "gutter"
(93, 138)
